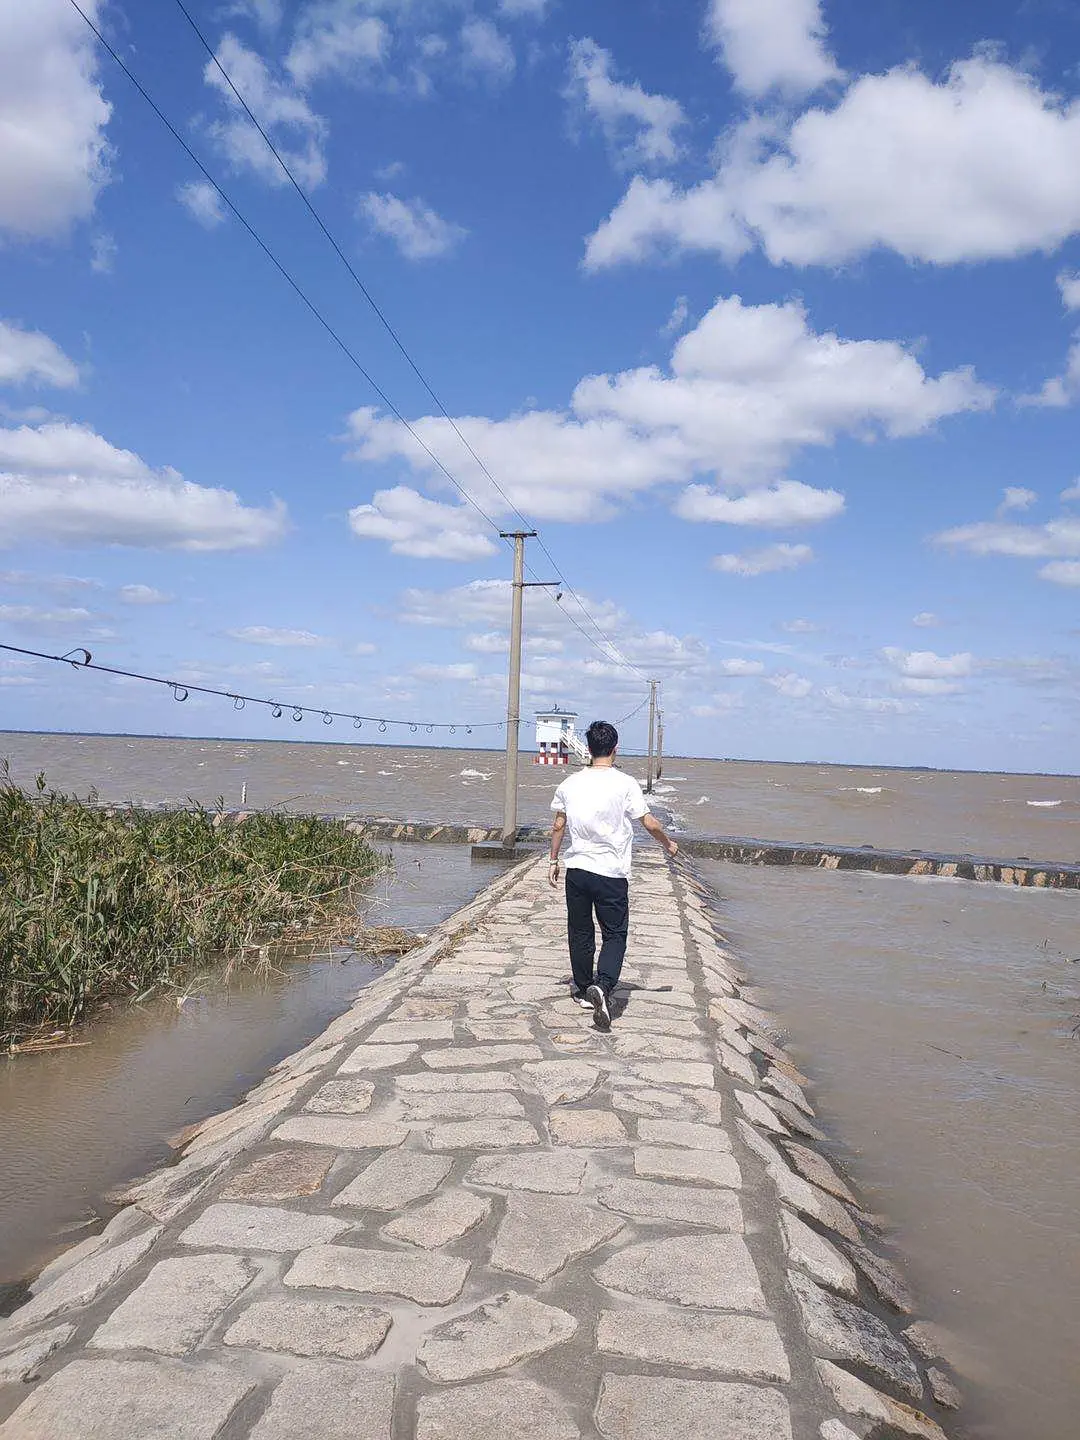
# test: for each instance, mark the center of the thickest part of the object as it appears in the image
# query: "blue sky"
(764, 311)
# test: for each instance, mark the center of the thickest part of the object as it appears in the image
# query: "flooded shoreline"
(936, 1019)
(77, 1123)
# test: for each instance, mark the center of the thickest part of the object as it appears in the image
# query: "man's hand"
(672, 847)
(553, 874)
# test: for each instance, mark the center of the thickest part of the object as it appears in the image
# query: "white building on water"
(557, 739)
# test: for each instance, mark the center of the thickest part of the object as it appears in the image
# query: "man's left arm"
(558, 830)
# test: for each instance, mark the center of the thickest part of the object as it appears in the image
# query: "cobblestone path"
(464, 1214)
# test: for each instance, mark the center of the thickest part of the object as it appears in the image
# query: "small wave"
(343, 762)
(1044, 804)
(663, 789)
(475, 774)
(863, 789)
(389, 773)
(703, 801)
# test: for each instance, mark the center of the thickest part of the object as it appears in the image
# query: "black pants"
(609, 898)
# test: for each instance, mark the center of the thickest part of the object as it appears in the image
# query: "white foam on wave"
(663, 789)
(862, 789)
(704, 800)
(343, 762)
(475, 774)
(1044, 804)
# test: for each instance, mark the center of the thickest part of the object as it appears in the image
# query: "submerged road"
(462, 1213)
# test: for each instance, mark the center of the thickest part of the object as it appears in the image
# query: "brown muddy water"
(75, 1124)
(934, 1016)
(936, 1020)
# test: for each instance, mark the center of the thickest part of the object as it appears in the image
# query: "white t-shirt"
(601, 804)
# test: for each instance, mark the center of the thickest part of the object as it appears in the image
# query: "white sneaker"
(598, 1000)
(579, 998)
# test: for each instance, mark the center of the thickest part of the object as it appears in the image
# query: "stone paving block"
(440, 1221)
(659, 1047)
(540, 1233)
(427, 1279)
(758, 1113)
(399, 1032)
(175, 1305)
(488, 1134)
(494, 1410)
(629, 1021)
(793, 1190)
(690, 1135)
(675, 1072)
(587, 1127)
(311, 1327)
(710, 1270)
(348, 1096)
(884, 1276)
(547, 1173)
(376, 1057)
(783, 1085)
(817, 1256)
(24, 1360)
(466, 1106)
(709, 1166)
(343, 1132)
(103, 1399)
(858, 1398)
(642, 1407)
(561, 1082)
(848, 1332)
(650, 1102)
(836, 1430)
(452, 1082)
(228, 1226)
(735, 1344)
(394, 1180)
(690, 1204)
(416, 1009)
(933, 1342)
(328, 1402)
(85, 1280)
(815, 1168)
(736, 1064)
(499, 1029)
(503, 1331)
(280, 1175)
(943, 1389)
(479, 1057)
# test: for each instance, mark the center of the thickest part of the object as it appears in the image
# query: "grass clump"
(97, 904)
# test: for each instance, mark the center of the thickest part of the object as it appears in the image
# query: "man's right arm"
(659, 834)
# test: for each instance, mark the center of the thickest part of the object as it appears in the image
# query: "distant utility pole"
(660, 746)
(513, 689)
(652, 736)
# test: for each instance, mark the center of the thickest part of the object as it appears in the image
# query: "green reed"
(100, 903)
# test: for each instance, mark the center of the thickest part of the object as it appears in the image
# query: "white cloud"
(27, 357)
(103, 250)
(54, 156)
(981, 165)
(747, 389)
(1069, 284)
(486, 51)
(490, 642)
(333, 39)
(680, 312)
(928, 685)
(202, 202)
(764, 561)
(800, 627)
(425, 529)
(787, 503)
(927, 665)
(453, 672)
(416, 229)
(992, 537)
(286, 639)
(741, 667)
(772, 44)
(364, 647)
(64, 483)
(794, 687)
(720, 705)
(870, 704)
(1061, 572)
(284, 113)
(641, 128)
(519, 9)
(1061, 390)
(925, 620)
(33, 618)
(1016, 497)
(144, 595)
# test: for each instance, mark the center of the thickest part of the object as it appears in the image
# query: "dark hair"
(601, 739)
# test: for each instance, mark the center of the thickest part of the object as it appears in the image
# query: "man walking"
(598, 806)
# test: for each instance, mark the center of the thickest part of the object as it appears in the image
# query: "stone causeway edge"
(866, 1356)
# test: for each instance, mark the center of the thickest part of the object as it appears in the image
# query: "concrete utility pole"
(660, 746)
(513, 693)
(652, 736)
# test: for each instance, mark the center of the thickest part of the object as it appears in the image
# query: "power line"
(81, 659)
(611, 649)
